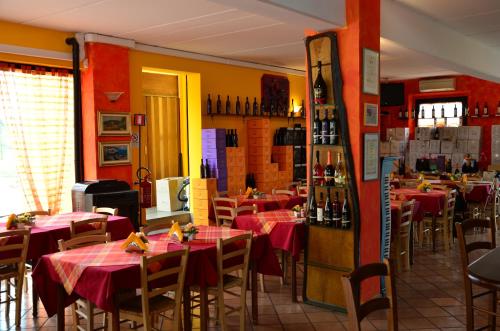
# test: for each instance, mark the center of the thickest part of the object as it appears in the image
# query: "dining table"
(286, 231)
(104, 272)
(269, 202)
(486, 269)
(48, 229)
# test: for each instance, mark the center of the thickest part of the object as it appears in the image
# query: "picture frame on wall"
(114, 124)
(371, 68)
(114, 153)
(371, 114)
(371, 156)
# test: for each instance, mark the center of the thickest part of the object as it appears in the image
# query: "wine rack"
(330, 252)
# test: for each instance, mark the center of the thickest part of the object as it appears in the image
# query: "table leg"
(203, 308)
(433, 234)
(60, 308)
(412, 242)
(255, 300)
(34, 292)
(187, 308)
(115, 318)
(294, 278)
(284, 266)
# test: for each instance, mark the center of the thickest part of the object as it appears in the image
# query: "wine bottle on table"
(209, 105)
(334, 134)
(228, 106)
(336, 213)
(313, 216)
(255, 107)
(325, 129)
(346, 213)
(208, 173)
(339, 173)
(328, 217)
(318, 172)
(317, 129)
(329, 171)
(218, 105)
(202, 169)
(235, 138)
(247, 107)
(320, 91)
(237, 107)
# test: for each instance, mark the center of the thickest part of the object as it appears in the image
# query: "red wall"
(477, 90)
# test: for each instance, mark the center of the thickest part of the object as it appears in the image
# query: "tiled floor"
(430, 297)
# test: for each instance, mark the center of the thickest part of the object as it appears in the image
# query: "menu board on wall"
(495, 144)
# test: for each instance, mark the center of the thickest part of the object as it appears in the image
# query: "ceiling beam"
(445, 46)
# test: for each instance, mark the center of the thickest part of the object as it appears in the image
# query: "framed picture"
(114, 124)
(371, 114)
(371, 80)
(114, 153)
(370, 156)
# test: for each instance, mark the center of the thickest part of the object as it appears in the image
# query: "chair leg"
(7, 297)
(89, 307)
(19, 298)
(74, 315)
(243, 310)
(284, 267)
(468, 307)
(492, 319)
(222, 310)
(261, 283)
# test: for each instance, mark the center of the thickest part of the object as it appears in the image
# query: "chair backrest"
(221, 194)
(411, 183)
(223, 210)
(356, 310)
(449, 207)
(302, 191)
(83, 241)
(40, 212)
(157, 226)
(287, 192)
(88, 227)
(244, 210)
(405, 216)
(105, 210)
(232, 256)
(14, 246)
(157, 281)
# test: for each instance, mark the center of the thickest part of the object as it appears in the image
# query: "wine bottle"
(208, 173)
(317, 129)
(476, 110)
(313, 216)
(230, 138)
(247, 107)
(271, 109)
(328, 214)
(325, 129)
(262, 107)
(400, 114)
(423, 112)
(320, 212)
(442, 111)
(235, 138)
(346, 213)
(255, 107)
(336, 213)
(237, 107)
(227, 139)
(485, 110)
(320, 91)
(318, 172)
(334, 135)
(321, 202)
(202, 169)
(455, 111)
(219, 105)
(329, 171)
(406, 113)
(433, 112)
(209, 105)
(228, 106)
(339, 171)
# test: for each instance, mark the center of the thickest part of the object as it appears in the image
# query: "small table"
(271, 202)
(486, 269)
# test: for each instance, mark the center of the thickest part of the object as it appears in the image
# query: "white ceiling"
(261, 31)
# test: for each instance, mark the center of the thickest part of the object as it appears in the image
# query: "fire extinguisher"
(145, 187)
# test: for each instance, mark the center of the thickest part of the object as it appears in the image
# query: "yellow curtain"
(36, 108)
(161, 150)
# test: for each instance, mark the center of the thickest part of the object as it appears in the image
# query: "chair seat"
(230, 281)
(156, 305)
(8, 271)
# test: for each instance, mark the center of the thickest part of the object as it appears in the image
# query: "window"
(440, 112)
(37, 166)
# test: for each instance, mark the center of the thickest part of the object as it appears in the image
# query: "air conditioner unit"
(437, 85)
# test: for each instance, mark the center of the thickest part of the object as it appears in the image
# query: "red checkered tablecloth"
(65, 219)
(430, 202)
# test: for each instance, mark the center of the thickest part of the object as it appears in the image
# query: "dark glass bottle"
(320, 91)
(321, 202)
(476, 110)
(247, 107)
(237, 107)
(318, 172)
(208, 173)
(433, 112)
(255, 107)
(325, 129)
(230, 138)
(336, 213)
(485, 110)
(329, 171)
(235, 139)
(328, 213)
(346, 213)
(271, 109)
(218, 105)
(455, 111)
(406, 113)
(423, 112)
(202, 169)
(262, 107)
(209, 105)
(228, 106)
(313, 216)
(317, 129)
(442, 111)
(334, 134)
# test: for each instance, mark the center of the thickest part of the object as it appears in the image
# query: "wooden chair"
(153, 300)
(105, 210)
(408, 183)
(40, 212)
(156, 227)
(15, 246)
(302, 191)
(465, 249)
(287, 192)
(84, 309)
(244, 209)
(223, 210)
(221, 194)
(401, 245)
(444, 222)
(356, 310)
(88, 227)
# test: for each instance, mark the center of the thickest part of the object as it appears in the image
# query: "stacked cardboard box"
(283, 155)
(214, 150)
(259, 154)
(397, 140)
(202, 192)
(236, 170)
(495, 144)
